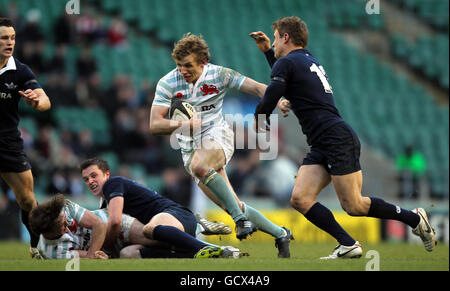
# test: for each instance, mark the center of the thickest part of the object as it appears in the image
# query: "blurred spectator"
(63, 29)
(176, 186)
(117, 32)
(31, 31)
(57, 64)
(88, 26)
(411, 167)
(61, 90)
(86, 65)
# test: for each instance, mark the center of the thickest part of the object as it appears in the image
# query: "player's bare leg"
(206, 164)
(348, 188)
(311, 179)
(22, 186)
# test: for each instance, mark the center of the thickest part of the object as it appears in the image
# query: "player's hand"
(262, 41)
(30, 97)
(285, 106)
(100, 255)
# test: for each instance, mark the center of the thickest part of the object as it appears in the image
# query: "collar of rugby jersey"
(199, 80)
(10, 65)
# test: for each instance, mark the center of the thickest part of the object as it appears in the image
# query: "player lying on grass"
(164, 220)
(205, 155)
(68, 230)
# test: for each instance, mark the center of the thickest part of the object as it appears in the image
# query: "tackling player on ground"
(17, 81)
(68, 230)
(208, 151)
(335, 147)
(164, 220)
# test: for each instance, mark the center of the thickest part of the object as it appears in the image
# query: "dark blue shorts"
(186, 217)
(337, 149)
(12, 156)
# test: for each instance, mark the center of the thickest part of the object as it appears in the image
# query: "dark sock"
(177, 238)
(34, 239)
(153, 252)
(381, 209)
(323, 218)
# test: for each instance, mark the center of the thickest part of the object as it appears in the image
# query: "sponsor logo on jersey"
(11, 86)
(5, 95)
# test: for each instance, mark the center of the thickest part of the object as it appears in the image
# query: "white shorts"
(123, 238)
(222, 135)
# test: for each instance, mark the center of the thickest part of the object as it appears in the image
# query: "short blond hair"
(191, 44)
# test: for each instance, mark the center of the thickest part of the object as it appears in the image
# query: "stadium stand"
(386, 107)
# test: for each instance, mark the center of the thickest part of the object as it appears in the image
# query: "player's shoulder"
(171, 77)
(20, 67)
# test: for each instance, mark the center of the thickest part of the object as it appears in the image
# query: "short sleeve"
(113, 188)
(231, 78)
(28, 79)
(75, 211)
(163, 94)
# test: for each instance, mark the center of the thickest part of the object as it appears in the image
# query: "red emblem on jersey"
(179, 95)
(73, 227)
(209, 89)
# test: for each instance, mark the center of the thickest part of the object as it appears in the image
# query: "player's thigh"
(311, 179)
(162, 218)
(348, 189)
(22, 185)
(136, 235)
(210, 155)
(131, 252)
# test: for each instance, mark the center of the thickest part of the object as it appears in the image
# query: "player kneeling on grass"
(68, 230)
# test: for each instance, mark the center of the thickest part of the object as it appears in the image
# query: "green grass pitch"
(392, 257)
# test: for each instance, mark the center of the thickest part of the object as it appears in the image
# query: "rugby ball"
(181, 111)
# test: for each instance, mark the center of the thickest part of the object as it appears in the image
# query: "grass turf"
(393, 257)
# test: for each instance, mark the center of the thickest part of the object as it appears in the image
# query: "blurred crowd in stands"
(55, 153)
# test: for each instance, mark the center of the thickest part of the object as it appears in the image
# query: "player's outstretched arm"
(253, 87)
(115, 211)
(37, 99)
(98, 227)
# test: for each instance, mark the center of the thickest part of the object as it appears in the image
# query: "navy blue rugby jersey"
(301, 79)
(14, 77)
(139, 201)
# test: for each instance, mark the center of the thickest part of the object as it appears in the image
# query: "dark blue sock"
(381, 209)
(322, 217)
(177, 238)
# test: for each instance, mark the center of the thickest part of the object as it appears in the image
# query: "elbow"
(115, 222)
(153, 129)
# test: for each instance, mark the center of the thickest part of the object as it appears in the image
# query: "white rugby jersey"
(77, 238)
(206, 96)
